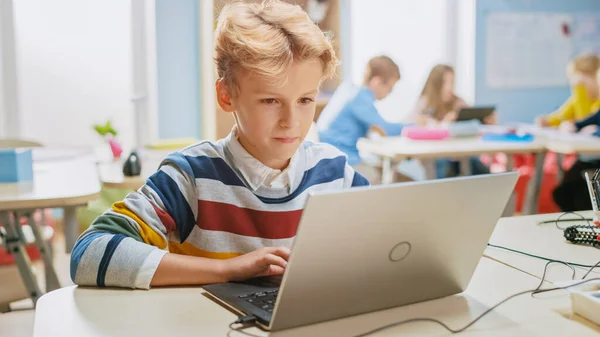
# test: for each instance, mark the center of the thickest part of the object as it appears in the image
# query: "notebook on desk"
(508, 137)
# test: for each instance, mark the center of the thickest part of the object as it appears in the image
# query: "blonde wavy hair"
(265, 39)
(432, 91)
(587, 64)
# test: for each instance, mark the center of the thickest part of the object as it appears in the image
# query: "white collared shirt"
(256, 173)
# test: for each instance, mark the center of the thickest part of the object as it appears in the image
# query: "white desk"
(574, 144)
(395, 149)
(63, 184)
(524, 234)
(162, 312)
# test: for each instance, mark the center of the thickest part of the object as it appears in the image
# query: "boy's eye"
(306, 100)
(269, 100)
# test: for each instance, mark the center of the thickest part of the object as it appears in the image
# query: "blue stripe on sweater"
(359, 180)
(215, 169)
(181, 162)
(80, 248)
(111, 246)
(174, 201)
(325, 171)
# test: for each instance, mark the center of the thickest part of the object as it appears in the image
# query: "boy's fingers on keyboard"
(282, 251)
(275, 270)
(273, 259)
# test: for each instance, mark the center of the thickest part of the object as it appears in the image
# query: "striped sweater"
(199, 203)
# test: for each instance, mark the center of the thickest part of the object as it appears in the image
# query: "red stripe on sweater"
(218, 216)
(165, 218)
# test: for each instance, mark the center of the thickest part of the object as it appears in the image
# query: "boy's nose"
(289, 118)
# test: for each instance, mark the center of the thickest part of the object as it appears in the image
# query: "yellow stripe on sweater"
(189, 249)
(149, 235)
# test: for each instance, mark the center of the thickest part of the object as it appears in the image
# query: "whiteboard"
(586, 33)
(525, 50)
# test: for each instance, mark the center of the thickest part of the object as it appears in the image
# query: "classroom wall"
(8, 88)
(73, 69)
(178, 75)
(521, 105)
(410, 32)
(464, 35)
(3, 121)
(73, 61)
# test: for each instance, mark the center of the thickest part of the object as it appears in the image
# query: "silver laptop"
(367, 249)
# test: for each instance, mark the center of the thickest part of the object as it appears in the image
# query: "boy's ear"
(223, 97)
(376, 80)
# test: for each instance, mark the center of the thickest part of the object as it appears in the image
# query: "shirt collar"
(256, 173)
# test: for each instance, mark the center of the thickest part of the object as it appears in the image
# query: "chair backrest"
(9, 143)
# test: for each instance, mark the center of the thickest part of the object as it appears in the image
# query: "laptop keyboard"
(264, 299)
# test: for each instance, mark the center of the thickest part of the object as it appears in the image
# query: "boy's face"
(273, 120)
(382, 88)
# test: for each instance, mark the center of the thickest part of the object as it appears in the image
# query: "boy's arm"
(369, 116)
(565, 113)
(124, 246)
(594, 119)
(175, 269)
(582, 104)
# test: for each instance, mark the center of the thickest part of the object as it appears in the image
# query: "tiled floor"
(19, 323)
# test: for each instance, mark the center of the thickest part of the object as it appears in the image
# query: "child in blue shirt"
(360, 114)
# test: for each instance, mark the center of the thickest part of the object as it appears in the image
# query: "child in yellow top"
(585, 98)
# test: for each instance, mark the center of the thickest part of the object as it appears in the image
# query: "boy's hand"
(261, 262)
(377, 130)
(541, 121)
(568, 127)
(450, 117)
(491, 119)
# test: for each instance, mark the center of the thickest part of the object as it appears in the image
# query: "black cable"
(240, 330)
(546, 270)
(560, 219)
(251, 319)
(539, 257)
(589, 271)
(244, 322)
(537, 290)
(433, 320)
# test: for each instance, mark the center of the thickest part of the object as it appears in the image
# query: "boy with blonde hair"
(360, 115)
(228, 210)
